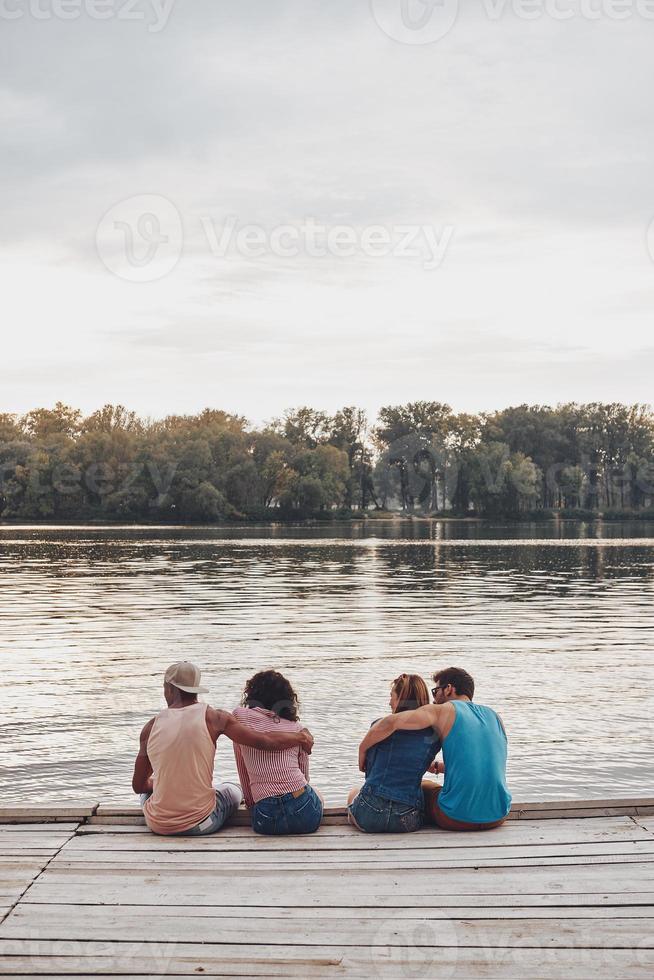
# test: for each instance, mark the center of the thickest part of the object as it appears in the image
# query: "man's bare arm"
(425, 717)
(142, 778)
(226, 724)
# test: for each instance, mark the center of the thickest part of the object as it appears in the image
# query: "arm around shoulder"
(428, 716)
(424, 717)
(244, 735)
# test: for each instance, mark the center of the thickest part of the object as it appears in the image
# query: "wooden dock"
(561, 890)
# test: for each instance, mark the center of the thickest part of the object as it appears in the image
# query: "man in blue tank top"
(474, 795)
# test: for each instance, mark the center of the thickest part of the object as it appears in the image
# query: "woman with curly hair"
(275, 784)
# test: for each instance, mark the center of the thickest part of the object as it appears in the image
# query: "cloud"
(531, 139)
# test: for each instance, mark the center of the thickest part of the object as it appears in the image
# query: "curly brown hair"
(271, 690)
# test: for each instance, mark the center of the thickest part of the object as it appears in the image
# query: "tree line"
(420, 458)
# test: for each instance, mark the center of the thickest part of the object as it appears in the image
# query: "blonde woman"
(391, 799)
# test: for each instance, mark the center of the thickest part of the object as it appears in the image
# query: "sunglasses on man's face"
(441, 687)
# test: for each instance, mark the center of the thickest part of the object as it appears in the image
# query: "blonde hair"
(411, 692)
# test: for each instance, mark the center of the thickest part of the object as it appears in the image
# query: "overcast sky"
(133, 146)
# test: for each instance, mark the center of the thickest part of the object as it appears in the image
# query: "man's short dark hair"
(460, 680)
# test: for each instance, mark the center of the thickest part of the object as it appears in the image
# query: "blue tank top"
(395, 767)
(474, 754)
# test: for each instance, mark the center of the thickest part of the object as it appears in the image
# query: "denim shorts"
(228, 800)
(291, 813)
(377, 815)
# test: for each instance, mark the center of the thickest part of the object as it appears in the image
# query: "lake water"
(555, 622)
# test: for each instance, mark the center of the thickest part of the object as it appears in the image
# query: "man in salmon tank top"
(173, 772)
(474, 795)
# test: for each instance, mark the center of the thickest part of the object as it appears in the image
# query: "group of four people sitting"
(174, 768)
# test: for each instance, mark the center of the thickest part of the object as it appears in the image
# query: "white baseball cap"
(186, 676)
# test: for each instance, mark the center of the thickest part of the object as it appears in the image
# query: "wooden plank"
(100, 848)
(134, 810)
(138, 823)
(43, 853)
(332, 881)
(240, 819)
(168, 913)
(40, 841)
(590, 812)
(627, 801)
(116, 923)
(78, 849)
(40, 814)
(148, 893)
(235, 854)
(18, 872)
(122, 809)
(176, 959)
(49, 827)
(548, 831)
(559, 825)
(160, 863)
(349, 889)
(11, 893)
(23, 856)
(334, 815)
(18, 868)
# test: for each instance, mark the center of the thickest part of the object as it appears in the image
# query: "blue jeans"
(292, 813)
(377, 815)
(228, 800)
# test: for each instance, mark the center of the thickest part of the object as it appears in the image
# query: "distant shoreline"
(390, 518)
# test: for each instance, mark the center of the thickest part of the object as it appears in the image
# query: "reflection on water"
(553, 620)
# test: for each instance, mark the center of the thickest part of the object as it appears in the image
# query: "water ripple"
(557, 631)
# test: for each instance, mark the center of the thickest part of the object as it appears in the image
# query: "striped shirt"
(263, 773)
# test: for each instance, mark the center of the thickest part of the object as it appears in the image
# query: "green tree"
(348, 430)
(304, 427)
(44, 423)
(203, 503)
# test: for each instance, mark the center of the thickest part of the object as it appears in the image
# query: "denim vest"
(395, 767)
